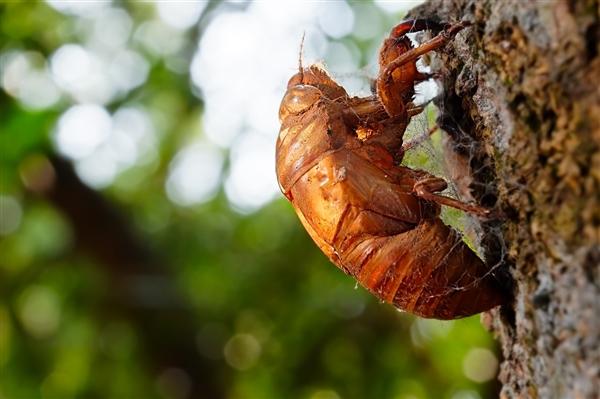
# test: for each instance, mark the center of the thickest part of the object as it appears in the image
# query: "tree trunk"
(524, 84)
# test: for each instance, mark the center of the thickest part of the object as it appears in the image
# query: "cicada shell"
(337, 161)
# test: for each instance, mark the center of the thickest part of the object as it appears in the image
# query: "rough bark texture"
(524, 83)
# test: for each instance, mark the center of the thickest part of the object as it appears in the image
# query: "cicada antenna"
(300, 68)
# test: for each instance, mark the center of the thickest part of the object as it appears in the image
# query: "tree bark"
(523, 84)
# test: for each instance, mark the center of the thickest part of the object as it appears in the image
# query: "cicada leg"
(398, 75)
(438, 41)
(428, 187)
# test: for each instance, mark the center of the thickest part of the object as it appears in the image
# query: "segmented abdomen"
(428, 271)
(392, 242)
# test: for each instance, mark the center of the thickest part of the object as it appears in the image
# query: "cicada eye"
(298, 99)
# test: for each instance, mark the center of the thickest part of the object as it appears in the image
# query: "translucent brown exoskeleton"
(338, 162)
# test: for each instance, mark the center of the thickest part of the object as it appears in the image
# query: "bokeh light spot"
(242, 351)
(158, 38)
(98, 170)
(128, 70)
(133, 136)
(37, 173)
(422, 331)
(368, 21)
(174, 383)
(81, 129)
(194, 174)
(466, 394)
(81, 8)
(82, 73)
(26, 77)
(111, 28)
(325, 394)
(480, 365)
(336, 18)
(251, 181)
(39, 311)
(397, 7)
(10, 215)
(180, 14)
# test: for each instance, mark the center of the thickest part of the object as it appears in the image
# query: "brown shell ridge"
(435, 285)
(448, 254)
(378, 274)
(308, 166)
(374, 189)
(422, 264)
(461, 286)
(411, 280)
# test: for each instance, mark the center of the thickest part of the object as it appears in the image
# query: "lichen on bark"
(523, 83)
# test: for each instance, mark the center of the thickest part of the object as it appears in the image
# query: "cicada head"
(306, 88)
(298, 99)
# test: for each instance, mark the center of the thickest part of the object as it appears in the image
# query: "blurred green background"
(144, 249)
